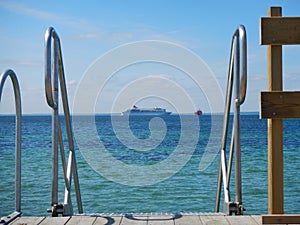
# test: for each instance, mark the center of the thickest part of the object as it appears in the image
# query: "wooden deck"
(178, 219)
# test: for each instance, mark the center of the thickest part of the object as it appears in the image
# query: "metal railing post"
(236, 124)
(52, 75)
(51, 84)
(18, 108)
(237, 79)
(55, 121)
(239, 99)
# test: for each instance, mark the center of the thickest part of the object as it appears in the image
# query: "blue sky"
(89, 29)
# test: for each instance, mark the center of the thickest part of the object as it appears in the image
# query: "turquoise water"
(188, 190)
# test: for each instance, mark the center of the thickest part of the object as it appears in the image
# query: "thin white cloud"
(291, 75)
(88, 36)
(122, 35)
(258, 77)
(72, 82)
(22, 9)
(135, 32)
(26, 63)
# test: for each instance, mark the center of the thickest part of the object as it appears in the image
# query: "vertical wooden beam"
(275, 128)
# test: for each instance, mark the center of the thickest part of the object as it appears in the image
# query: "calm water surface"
(188, 190)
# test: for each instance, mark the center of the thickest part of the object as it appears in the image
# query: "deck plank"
(87, 220)
(192, 219)
(214, 220)
(55, 220)
(257, 219)
(188, 220)
(108, 220)
(134, 220)
(281, 219)
(28, 220)
(161, 220)
(237, 220)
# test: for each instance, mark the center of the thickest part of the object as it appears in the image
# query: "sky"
(91, 32)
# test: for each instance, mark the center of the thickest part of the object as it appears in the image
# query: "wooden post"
(277, 105)
(275, 128)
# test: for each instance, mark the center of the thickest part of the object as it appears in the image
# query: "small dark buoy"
(198, 112)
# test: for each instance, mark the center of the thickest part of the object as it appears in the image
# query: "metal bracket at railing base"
(63, 209)
(7, 219)
(56, 210)
(230, 208)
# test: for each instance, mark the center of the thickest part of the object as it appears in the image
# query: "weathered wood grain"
(28, 220)
(275, 127)
(87, 220)
(280, 104)
(195, 219)
(238, 220)
(281, 219)
(134, 220)
(188, 220)
(55, 220)
(108, 220)
(214, 220)
(280, 30)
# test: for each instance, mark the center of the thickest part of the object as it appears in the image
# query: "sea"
(145, 165)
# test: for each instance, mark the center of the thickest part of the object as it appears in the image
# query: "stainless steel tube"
(16, 88)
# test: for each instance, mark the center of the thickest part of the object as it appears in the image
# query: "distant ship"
(136, 111)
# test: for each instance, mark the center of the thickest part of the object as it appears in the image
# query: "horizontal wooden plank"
(279, 30)
(134, 220)
(28, 220)
(77, 220)
(256, 218)
(214, 220)
(238, 220)
(195, 219)
(188, 220)
(281, 219)
(277, 104)
(160, 220)
(104, 220)
(55, 220)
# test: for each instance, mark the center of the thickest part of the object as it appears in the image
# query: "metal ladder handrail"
(238, 74)
(52, 74)
(10, 73)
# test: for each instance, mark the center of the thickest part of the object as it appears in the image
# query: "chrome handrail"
(237, 76)
(16, 88)
(54, 70)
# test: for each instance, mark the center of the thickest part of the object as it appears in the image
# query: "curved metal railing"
(16, 88)
(237, 77)
(54, 70)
